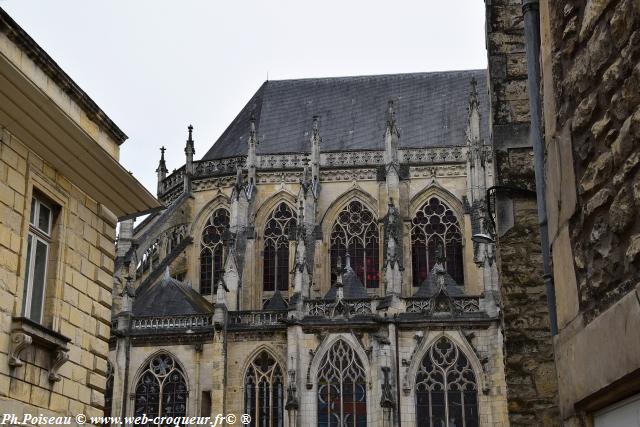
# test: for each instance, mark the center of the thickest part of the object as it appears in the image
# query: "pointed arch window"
(264, 392)
(161, 389)
(342, 388)
(275, 274)
(446, 388)
(108, 393)
(435, 225)
(356, 231)
(212, 252)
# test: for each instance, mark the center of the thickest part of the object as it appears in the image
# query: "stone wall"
(78, 288)
(591, 70)
(530, 373)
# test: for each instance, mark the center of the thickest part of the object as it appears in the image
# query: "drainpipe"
(531, 12)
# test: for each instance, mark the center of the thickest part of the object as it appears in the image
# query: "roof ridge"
(384, 75)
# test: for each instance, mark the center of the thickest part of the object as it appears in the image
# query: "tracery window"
(435, 225)
(161, 389)
(108, 393)
(212, 252)
(342, 388)
(356, 231)
(275, 274)
(264, 392)
(446, 388)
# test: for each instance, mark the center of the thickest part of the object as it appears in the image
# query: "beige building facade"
(317, 265)
(57, 231)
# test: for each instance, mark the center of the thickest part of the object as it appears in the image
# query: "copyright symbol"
(231, 419)
(81, 418)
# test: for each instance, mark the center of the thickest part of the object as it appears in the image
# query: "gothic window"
(356, 231)
(264, 392)
(275, 274)
(446, 389)
(342, 388)
(161, 389)
(435, 225)
(108, 393)
(212, 252)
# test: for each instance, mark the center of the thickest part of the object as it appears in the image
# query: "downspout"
(531, 12)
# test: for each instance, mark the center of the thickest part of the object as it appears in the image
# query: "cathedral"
(326, 262)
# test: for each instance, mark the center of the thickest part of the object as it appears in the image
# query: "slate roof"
(169, 297)
(431, 110)
(429, 286)
(276, 302)
(352, 287)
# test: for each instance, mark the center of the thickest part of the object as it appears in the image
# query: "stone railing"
(295, 161)
(464, 304)
(325, 308)
(205, 168)
(196, 321)
(257, 317)
(172, 181)
(432, 155)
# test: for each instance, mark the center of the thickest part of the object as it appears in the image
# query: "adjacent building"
(62, 191)
(590, 54)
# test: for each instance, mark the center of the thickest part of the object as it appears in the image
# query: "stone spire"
(301, 274)
(316, 140)
(475, 149)
(161, 170)
(252, 157)
(189, 151)
(391, 136)
(392, 165)
(393, 252)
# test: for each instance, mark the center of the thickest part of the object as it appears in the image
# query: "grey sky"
(155, 66)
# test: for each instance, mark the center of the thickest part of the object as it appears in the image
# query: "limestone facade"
(55, 299)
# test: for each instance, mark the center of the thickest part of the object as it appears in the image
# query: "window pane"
(32, 215)
(39, 278)
(44, 219)
(27, 272)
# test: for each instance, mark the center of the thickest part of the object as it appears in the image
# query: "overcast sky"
(155, 66)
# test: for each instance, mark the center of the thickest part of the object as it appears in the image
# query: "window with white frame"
(38, 253)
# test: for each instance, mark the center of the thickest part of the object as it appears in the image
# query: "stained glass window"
(264, 392)
(446, 388)
(161, 389)
(356, 231)
(275, 273)
(342, 388)
(435, 225)
(212, 252)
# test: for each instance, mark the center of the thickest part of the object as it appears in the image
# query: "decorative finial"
(190, 132)
(473, 97)
(316, 128)
(347, 258)
(162, 150)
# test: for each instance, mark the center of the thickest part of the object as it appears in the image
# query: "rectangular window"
(38, 243)
(621, 414)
